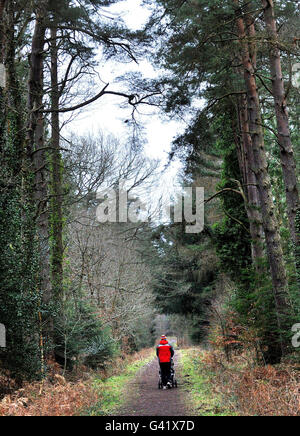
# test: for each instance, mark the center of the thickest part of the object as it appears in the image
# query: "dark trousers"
(165, 371)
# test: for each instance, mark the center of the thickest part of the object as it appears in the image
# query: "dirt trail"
(145, 399)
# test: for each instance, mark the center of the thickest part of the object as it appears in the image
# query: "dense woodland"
(80, 292)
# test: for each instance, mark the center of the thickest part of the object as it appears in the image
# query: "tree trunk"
(270, 224)
(284, 137)
(2, 93)
(297, 248)
(56, 175)
(253, 206)
(12, 89)
(35, 146)
(2, 6)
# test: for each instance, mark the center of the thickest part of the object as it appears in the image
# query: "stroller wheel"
(160, 385)
(175, 383)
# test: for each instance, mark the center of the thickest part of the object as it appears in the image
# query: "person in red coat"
(165, 352)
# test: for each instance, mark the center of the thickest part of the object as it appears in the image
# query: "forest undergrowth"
(79, 393)
(240, 388)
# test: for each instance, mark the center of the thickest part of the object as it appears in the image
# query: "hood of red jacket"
(163, 342)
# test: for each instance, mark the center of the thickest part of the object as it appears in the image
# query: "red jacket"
(164, 351)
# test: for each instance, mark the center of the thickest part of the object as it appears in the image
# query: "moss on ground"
(193, 375)
(197, 380)
(111, 391)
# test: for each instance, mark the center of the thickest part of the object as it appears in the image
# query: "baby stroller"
(172, 377)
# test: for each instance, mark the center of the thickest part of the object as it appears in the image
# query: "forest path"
(145, 399)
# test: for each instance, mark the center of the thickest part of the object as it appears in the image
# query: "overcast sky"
(107, 115)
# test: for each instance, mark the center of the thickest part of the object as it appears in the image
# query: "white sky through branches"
(109, 113)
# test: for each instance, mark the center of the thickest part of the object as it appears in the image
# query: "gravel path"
(145, 399)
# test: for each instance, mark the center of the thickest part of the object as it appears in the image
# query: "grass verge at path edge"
(197, 380)
(111, 391)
